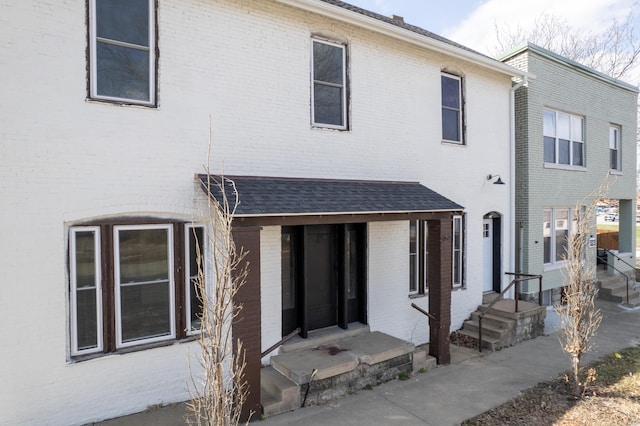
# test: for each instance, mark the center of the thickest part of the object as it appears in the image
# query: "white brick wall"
(245, 65)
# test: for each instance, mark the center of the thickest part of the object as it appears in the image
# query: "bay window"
(133, 284)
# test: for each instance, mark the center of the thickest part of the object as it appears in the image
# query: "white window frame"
(421, 227)
(457, 252)
(614, 145)
(187, 279)
(572, 139)
(74, 288)
(343, 87)
(459, 108)
(117, 284)
(93, 57)
(571, 218)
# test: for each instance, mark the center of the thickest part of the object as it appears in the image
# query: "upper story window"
(563, 138)
(329, 77)
(614, 149)
(136, 278)
(452, 113)
(122, 46)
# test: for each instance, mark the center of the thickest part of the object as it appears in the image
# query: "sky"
(472, 22)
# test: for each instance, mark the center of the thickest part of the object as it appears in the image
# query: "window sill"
(565, 167)
(458, 288)
(328, 127)
(122, 103)
(417, 295)
(453, 143)
(616, 172)
(553, 266)
(74, 359)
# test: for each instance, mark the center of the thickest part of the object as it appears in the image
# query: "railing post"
(480, 333)
(540, 291)
(517, 290)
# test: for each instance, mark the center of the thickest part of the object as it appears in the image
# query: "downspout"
(512, 176)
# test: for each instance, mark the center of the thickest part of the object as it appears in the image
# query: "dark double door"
(323, 280)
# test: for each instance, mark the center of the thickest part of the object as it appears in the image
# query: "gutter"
(512, 174)
(370, 23)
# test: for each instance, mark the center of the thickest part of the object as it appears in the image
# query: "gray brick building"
(575, 128)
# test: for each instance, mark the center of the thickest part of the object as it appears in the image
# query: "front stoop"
(343, 367)
(614, 289)
(277, 394)
(502, 326)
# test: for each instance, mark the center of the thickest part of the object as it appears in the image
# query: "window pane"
(143, 255)
(122, 72)
(577, 154)
(413, 256)
(196, 253)
(86, 318)
(561, 233)
(450, 92)
(549, 150)
(145, 310)
(564, 126)
(549, 123)
(564, 147)
(450, 125)
(546, 233)
(327, 104)
(576, 129)
(85, 258)
(123, 20)
(614, 158)
(327, 63)
(288, 277)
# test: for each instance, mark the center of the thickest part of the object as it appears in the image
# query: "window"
(418, 256)
(614, 148)
(558, 223)
(451, 108)
(144, 290)
(563, 138)
(329, 94)
(457, 255)
(122, 45)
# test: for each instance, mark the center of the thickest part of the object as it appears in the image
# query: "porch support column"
(246, 326)
(439, 244)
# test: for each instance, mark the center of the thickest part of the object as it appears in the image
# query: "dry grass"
(612, 399)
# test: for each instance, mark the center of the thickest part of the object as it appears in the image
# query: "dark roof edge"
(400, 30)
(356, 213)
(300, 179)
(528, 46)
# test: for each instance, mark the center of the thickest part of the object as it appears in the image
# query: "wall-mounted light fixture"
(498, 181)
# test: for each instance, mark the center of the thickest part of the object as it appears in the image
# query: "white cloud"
(478, 30)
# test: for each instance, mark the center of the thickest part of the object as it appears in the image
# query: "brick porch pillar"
(246, 326)
(439, 277)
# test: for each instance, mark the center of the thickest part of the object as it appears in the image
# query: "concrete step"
(489, 297)
(488, 330)
(494, 320)
(633, 303)
(488, 342)
(422, 361)
(277, 394)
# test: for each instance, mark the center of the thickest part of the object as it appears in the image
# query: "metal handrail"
(516, 281)
(618, 257)
(282, 341)
(626, 277)
(419, 309)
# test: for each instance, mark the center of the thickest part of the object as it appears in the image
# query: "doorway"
(323, 276)
(492, 252)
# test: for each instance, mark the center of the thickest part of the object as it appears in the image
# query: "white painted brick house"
(104, 122)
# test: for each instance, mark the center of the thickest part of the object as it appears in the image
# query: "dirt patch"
(613, 399)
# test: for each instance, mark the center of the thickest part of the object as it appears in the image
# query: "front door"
(323, 276)
(487, 250)
(320, 275)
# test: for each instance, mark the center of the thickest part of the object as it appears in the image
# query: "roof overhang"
(277, 197)
(370, 23)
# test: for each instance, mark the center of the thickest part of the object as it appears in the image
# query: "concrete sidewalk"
(472, 384)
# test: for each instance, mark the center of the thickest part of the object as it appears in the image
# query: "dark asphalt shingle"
(269, 196)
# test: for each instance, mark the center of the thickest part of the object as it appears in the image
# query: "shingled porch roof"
(277, 196)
